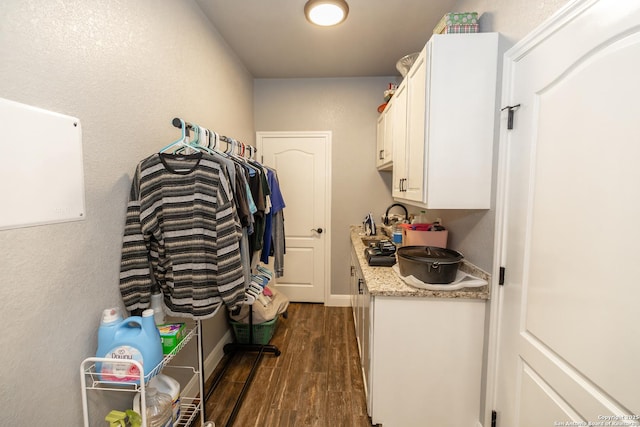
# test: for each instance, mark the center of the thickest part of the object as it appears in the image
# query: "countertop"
(382, 281)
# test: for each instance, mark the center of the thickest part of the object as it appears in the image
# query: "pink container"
(423, 238)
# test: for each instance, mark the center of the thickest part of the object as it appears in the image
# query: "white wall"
(347, 107)
(125, 69)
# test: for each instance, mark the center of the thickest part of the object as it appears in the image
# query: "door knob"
(317, 230)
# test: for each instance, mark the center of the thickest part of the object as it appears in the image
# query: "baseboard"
(338, 301)
(192, 389)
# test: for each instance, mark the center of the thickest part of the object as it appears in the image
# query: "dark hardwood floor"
(316, 381)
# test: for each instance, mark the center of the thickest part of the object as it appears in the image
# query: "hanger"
(231, 144)
(265, 272)
(196, 137)
(252, 152)
(216, 143)
(215, 140)
(207, 134)
(183, 142)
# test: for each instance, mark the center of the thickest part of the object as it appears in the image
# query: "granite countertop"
(383, 281)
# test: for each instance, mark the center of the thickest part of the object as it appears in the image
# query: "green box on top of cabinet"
(452, 19)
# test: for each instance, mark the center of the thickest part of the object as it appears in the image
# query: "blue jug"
(134, 338)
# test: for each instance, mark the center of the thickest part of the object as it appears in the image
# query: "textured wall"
(125, 69)
(347, 107)
(514, 19)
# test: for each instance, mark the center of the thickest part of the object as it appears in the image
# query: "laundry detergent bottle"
(134, 338)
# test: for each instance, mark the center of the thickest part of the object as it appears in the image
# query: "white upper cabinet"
(415, 141)
(399, 137)
(384, 157)
(443, 152)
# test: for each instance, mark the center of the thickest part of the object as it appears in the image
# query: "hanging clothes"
(277, 205)
(259, 191)
(182, 231)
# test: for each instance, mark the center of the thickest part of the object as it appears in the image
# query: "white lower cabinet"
(426, 361)
(421, 357)
(360, 305)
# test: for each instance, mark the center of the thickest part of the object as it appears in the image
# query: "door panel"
(301, 160)
(543, 405)
(568, 337)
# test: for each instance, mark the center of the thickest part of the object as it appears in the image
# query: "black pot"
(429, 264)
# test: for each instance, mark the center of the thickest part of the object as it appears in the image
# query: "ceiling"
(274, 39)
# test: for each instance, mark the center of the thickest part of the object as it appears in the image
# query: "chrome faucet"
(386, 214)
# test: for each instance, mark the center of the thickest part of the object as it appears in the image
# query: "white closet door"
(302, 160)
(569, 202)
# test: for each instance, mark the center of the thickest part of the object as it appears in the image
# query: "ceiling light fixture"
(326, 12)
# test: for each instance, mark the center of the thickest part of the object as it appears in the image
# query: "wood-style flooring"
(316, 380)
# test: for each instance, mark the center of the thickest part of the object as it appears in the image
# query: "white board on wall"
(41, 173)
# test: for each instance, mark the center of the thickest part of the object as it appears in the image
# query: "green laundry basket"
(262, 332)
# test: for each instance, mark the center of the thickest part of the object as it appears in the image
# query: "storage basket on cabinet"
(262, 332)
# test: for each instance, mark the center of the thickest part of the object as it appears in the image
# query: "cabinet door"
(380, 140)
(353, 288)
(384, 155)
(399, 140)
(365, 359)
(359, 314)
(426, 361)
(461, 120)
(388, 139)
(416, 123)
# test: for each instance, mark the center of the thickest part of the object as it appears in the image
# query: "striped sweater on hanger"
(181, 231)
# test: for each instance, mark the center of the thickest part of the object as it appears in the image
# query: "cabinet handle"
(353, 270)
(402, 186)
(360, 286)
(381, 155)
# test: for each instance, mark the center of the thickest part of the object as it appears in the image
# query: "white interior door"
(302, 162)
(570, 199)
